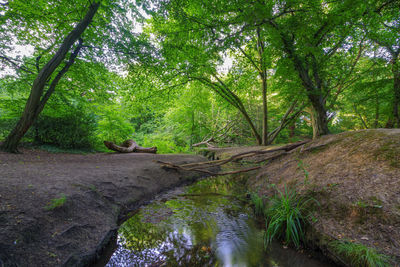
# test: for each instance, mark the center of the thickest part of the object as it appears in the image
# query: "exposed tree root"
(169, 165)
(203, 166)
(129, 146)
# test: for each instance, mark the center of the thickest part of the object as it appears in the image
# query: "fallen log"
(243, 155)
(169, 165)
(129, 146)
(203, 166)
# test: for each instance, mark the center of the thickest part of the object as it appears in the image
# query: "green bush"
(6, 125)
(163, 141)
(71, 130)
(360, 255)
(113, 126)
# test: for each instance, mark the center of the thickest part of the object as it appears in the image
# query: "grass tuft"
(360, 255)
(56, 202)
(286, 214)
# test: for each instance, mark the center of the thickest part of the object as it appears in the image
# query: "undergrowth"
(285, 217)
(360, 255)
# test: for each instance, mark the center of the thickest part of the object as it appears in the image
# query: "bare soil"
(355, 176)
(100, 191)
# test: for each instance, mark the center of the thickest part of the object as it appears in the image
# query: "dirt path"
(99, 190)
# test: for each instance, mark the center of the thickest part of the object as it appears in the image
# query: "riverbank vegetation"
(352, 178)
(177, 75)
(172, 74)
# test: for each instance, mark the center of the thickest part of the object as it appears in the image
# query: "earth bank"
(355, 176)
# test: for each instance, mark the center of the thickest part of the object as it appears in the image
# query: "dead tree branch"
(202, 166)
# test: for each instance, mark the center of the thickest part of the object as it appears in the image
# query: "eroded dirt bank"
(99, 190)
(355, 176)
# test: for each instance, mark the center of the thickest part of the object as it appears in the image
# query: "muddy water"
(206, 224)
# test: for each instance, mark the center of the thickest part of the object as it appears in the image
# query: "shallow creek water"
(206, 224)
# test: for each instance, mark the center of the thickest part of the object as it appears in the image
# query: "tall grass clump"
(360, 255)
(285, 217)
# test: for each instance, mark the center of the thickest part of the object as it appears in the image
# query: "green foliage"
(164, 143)
(71, 130)
(113, 126)
(195, 67)
(360, 255)
(258, 202)
(285, 217)
(57, 202)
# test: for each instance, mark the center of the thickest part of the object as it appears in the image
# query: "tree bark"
(319, 120)
(130, 146)
(263, 77)
(376, 122)
(396, 90)
(311, 81)
(33, 105)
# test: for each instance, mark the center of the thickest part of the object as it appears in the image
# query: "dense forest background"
(171, 73)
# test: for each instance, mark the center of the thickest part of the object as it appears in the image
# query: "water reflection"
(201, 225)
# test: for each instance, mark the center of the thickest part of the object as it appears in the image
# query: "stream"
(209, 223)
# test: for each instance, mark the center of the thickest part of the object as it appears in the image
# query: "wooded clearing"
(176, 75)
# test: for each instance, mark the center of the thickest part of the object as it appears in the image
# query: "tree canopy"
(171, 73)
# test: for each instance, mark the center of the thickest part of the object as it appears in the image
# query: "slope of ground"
(355, 176)
(94, 192)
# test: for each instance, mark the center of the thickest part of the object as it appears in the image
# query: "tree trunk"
(319, 120)
(396, 91)
(312, 87)
(292, 128)
(33, 105)
(376, 122)
(263, 76)
(360, 117)
(265, 112)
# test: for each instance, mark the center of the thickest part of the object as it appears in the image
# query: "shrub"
(360, 255)
(286, 214)
(114, 127)
(71, 130)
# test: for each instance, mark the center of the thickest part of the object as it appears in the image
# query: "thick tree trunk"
(313, 84)
(129, 146)
(33, 105)
(319, 120)
(263, 77)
